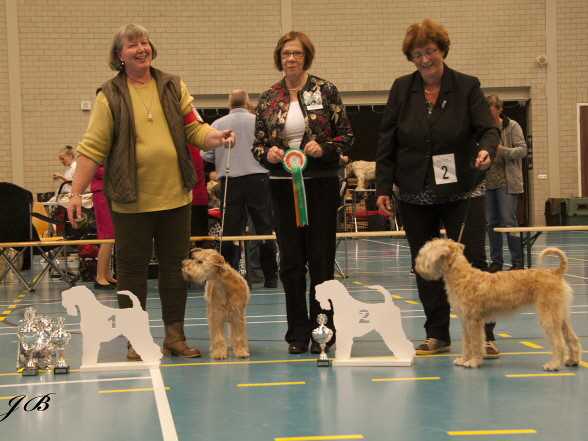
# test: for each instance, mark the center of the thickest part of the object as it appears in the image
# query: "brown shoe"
(132, 354)
(491, 351)
(174, 342)
(432, 346)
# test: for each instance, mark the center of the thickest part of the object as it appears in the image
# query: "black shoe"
(100, 286)
(271, 282)
(516, 266)
(297, 348)
(494, 267)
(315, 348)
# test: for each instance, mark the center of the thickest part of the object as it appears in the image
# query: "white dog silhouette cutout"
(100, 323)
(353, 318)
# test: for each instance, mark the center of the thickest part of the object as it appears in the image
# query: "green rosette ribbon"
(294, 162)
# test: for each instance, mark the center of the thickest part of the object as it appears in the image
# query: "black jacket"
(460, 123)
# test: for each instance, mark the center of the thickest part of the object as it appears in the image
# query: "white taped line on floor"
(166, 420)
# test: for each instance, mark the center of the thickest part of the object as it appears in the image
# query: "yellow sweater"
(158, 174)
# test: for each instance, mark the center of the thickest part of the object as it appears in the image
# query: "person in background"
(104, 230)
(303, 116)
(436, 139)
(504, 183)
(142, 122)
(68, 160)
(247, 188)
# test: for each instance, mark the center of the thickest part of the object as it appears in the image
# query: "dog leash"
(461, 230)
(227, 169)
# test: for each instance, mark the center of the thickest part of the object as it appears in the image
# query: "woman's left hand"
(483, 160)
(313, 149)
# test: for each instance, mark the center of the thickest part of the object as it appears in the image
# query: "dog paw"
(551, 366)
(572, 362)
(469, 363)
(459, 361)
(241, 354)
(218, 354)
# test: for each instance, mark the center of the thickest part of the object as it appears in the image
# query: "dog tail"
(133, 297)
(563, 260)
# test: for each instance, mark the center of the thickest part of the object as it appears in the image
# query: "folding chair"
(17, 226)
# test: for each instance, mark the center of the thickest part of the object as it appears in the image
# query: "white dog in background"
(364, 171)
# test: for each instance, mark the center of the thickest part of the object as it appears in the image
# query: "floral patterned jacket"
(326, 123)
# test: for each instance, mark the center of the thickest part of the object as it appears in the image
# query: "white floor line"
(166, 420)
(95, 380)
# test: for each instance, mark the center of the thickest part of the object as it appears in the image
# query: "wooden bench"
(532, 233)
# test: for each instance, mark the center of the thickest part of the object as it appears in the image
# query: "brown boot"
(175, 342)
(132, 354)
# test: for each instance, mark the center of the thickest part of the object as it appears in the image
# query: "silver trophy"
(28, 333)
(59, 338)
(322, 335)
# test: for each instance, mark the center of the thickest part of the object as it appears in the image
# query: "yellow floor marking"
(453, 316)
(283, 383)
(116, 391)
(562, 374)
(2, 318)
(412, 302)
(318, 438)
(17, 300)
(22, 295)
(6, 312)
(12, 306)
(583, 363)
(394, 296)
(531, 345)
(491, 432)
(504, 335)
(8, 398)
(406, 379)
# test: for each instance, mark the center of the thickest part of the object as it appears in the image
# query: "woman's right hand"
(275, 155)
(74, 210)
(384, 203)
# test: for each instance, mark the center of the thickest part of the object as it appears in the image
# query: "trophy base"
(323, 363)
(61, 370)
(29, 372)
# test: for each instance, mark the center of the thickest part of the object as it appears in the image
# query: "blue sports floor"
(277, 396)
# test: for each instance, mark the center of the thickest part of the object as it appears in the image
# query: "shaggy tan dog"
(480, 297)
(364, 171)
(226, 294)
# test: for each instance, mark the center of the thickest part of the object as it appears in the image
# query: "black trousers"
(136, 234)
(422, 223)
(249, 193)
(310, 248)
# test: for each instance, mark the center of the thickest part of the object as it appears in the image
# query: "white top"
(68, 175)
(295, 125)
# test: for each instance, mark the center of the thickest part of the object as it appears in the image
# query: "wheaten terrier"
(480, 297)
(226, 294)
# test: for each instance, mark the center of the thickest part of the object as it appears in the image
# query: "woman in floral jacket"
(301, 131)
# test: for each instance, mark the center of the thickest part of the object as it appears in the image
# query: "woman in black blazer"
(436, 138)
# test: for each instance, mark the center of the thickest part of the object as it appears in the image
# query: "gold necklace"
(303, 83)
(149, 114)
(432, 91)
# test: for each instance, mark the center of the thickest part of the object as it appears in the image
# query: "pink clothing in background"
(104, 228)
(199, 194)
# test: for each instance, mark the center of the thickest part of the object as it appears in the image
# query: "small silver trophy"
(59, 338)
(28, 333)
(322, 335)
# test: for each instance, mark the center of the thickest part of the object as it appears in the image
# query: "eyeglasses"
(419, 55)
(297, 55)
